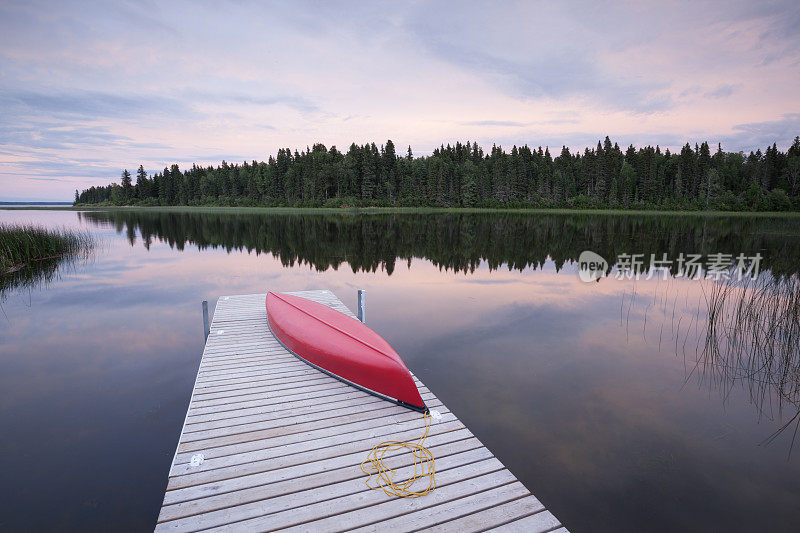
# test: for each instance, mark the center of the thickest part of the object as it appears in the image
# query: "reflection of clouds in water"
(571, 387)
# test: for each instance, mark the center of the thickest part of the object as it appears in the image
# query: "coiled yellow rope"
(424, 466)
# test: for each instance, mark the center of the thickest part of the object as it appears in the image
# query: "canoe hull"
(342, 347)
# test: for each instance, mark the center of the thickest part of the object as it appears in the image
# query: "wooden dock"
(270, 443)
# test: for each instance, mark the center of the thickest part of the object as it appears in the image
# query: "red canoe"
(342, 347)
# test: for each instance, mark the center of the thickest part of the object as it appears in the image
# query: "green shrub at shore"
(21, 246)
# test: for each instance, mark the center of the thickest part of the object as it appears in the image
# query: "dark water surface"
(591, 393)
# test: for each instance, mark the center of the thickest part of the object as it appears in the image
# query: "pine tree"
(793, 175)
(610, 169)
(389, 156)
(368, 179)
(141, 183)
(711, 188)
(703, 164)
(389, 171)
(600, 175)
(165, 187)
(627, 184)
(127, 187)
(468, 187)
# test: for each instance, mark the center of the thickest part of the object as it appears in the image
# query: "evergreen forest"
(464, 175)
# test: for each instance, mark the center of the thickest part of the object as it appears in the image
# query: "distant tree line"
(463, 175)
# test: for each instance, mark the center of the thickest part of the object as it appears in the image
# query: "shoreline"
(404, 210)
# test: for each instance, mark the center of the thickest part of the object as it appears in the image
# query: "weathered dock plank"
(282, 444)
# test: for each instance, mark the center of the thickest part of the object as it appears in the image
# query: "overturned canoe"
(341, 347)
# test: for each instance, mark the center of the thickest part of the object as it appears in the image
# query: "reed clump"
(753, 337)
(22, 246)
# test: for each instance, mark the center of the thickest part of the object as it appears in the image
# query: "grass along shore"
(398, 210)
(23, 245)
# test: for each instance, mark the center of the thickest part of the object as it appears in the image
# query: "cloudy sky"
(89, 88)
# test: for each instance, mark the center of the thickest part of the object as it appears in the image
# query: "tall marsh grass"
(753, 338)
(31, 254)
(738, 334)
(21, 245)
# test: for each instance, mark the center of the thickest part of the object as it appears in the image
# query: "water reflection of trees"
(751, 328)
(460, 241)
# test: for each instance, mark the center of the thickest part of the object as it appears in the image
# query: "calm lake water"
(601, 397)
